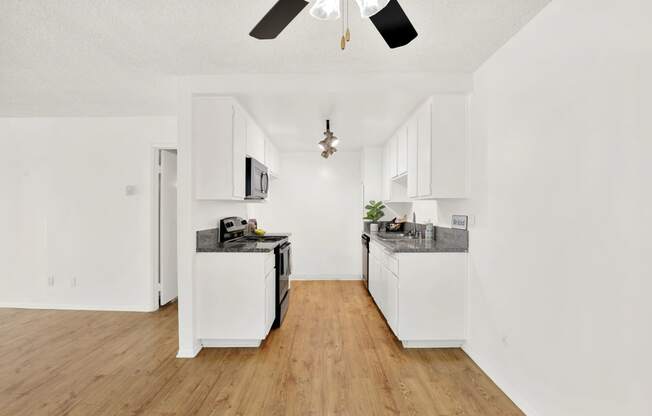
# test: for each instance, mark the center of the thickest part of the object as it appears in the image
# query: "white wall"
(318, 201)
(561, 151)
(64, 211)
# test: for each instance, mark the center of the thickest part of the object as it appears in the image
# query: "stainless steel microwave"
(257, 180)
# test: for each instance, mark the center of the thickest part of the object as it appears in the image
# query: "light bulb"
(335, 141)
(326, 9)
(369, 8)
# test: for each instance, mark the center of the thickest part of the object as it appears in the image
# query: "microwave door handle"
(266, 189)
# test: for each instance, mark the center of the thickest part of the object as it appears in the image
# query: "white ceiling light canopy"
(325, 9)
(369, 8)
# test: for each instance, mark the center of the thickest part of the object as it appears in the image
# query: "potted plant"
(374, 213)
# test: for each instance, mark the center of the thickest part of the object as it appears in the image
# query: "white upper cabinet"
(449, 146)
(255, 141)
(218, 142)
(432, 149)
(402, 150)
(412, 158)
(372, 179)
(239, 150)
(392, 157)
(272, 159)
(424, 152)
(223, 134)
(385, 173)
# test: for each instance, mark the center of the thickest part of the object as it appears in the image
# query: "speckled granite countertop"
(207, 243)
(447, 241)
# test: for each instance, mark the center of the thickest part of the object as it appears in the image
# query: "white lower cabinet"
(235, 304)
(421, 295)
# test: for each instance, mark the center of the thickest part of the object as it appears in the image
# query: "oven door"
(285, 270)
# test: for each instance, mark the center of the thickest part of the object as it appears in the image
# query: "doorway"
(166, 254)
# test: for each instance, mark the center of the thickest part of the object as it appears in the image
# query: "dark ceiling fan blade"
(277, 18)
(393, 25)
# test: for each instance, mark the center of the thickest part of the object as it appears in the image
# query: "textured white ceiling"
(120, 57)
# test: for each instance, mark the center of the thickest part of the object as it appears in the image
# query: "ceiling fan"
(386, 15)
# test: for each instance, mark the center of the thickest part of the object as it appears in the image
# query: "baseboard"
(189, 352)
(231, 343)
(72, 307)
(432, 344)
(503, 385)
(326, 277)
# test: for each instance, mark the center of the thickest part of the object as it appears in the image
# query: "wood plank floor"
(334, 355)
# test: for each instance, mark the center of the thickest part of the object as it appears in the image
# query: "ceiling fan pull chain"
(343, 39)
(348, 32)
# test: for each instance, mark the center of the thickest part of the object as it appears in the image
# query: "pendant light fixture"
(328, 144)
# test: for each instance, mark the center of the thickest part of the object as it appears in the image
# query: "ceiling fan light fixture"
(326, 9)
(369, 8)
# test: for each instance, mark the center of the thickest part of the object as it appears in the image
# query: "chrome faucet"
(413, 231)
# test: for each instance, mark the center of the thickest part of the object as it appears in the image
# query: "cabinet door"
(402, 151)
(255, 141)
(449, 148)
(239, 152)
(386, 178)
(391, 301)
(393, 158)
(269, 155)
(374, 278)
(382, 292)
(412, 158)
(424, 151)
(212, 142)
(277, 162)
(270, 299)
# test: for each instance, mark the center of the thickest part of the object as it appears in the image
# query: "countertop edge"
(207, 243)
(398, 250)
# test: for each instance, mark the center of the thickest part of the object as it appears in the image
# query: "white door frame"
(154, 171)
